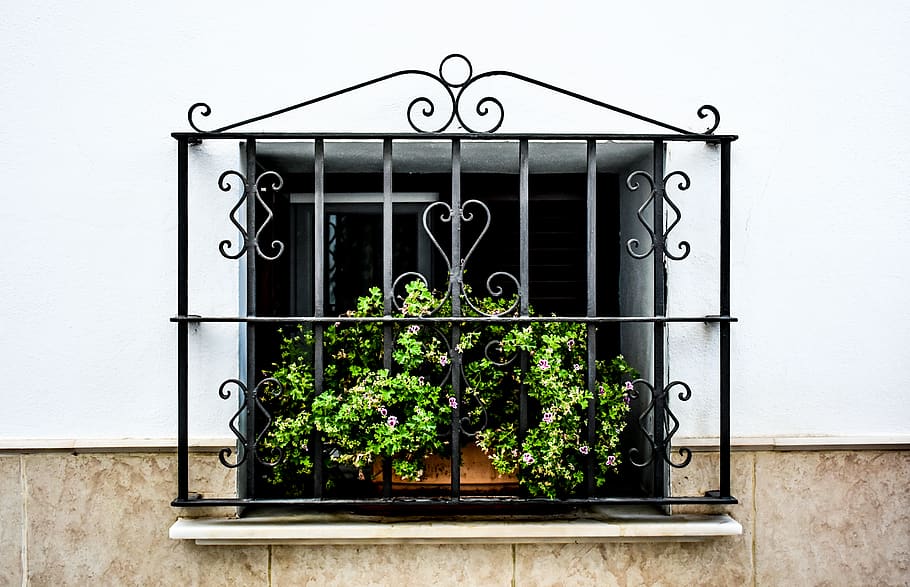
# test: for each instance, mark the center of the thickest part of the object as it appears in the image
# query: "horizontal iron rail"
(410, 136)
(449, 502)
(451, 319)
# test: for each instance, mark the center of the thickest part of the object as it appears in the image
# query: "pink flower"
(443, 360)
(392, 421)
(413, 329)
(548, 417)
(383, 412)
(576, 367)
(611, 460)
(453, 403)
(527, 458)
(421, 380)
(601, 390)
(583, 449)
(571, 343)
(543, 364)
(626, 399)
(628, 386)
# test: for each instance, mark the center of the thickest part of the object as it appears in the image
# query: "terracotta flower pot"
(478, 477)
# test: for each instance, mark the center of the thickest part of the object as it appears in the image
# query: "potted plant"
(367, 413)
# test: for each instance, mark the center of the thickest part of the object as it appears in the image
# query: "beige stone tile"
(701, 475)
(458, 565)
(208, 477)
(10, 521)
(833, 518)
(627, 564)
(722, 561)
(103, 519)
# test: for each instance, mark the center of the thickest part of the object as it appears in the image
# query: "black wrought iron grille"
(261, 200)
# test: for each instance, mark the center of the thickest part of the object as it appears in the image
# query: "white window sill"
(612, 526)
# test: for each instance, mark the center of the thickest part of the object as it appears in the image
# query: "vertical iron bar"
(318, 299)
(523, 274)
(455, 286)
(182, 327)
(387, 283)
(725, 326)
(660, 309)
(387, 242)
(250, 260)
(591, 245)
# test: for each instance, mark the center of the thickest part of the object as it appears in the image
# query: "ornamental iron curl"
(660, 446)
(497, 345)
(445, 216)
(422, 109)
(249, 402)
(414, 275)
(497, 291)
(658, 191)
(260, 185)
(464, 424)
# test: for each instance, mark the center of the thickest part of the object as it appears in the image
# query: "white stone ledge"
(798, 443)
(610, 528)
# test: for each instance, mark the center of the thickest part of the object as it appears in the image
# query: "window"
(501, 299)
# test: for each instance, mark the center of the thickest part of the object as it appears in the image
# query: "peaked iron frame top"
(421, 109)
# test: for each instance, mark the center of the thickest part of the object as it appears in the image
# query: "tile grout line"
(23, 496)
(754, 516)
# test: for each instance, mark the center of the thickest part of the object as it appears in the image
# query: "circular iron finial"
(453, 68)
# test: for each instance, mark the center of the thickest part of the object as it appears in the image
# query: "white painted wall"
(89, 93)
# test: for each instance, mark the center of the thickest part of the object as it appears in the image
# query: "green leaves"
(367, 412)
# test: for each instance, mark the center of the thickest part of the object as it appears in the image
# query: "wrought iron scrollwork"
(469, 428)
(423, 110)
(261, 184)
(455, 88)
(465, 215)
(488, 352)
(249, 402)
(658, 190)
(660, 445)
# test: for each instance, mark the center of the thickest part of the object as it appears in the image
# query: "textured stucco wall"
(90, 92)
